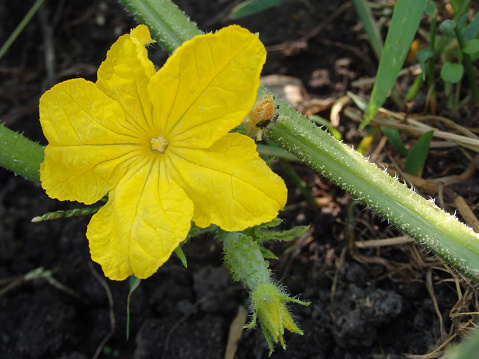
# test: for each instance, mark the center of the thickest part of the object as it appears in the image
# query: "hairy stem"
(19, 154)
(167, 23)
(438, 231)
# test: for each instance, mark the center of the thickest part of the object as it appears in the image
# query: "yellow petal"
(146, 217)
(89, 145)
(230, 185)
(208, 86)
(125, 74)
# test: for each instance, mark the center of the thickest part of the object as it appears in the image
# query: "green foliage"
(471, 30)
(452, 72)
(394, 138)
(251, 7)
(181, 255)
(364, 12)
(472, 47)
(404, 23)
(134, 283)
(416, 158)
(298, 182)
(452, 44)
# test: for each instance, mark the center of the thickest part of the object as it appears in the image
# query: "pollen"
(159, 144)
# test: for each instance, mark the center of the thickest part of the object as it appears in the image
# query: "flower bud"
(268, 303)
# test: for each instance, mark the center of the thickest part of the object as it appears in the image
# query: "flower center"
(159, 144)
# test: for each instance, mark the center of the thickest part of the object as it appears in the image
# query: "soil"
(383, 302)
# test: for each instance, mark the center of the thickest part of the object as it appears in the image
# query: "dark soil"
(365, 303)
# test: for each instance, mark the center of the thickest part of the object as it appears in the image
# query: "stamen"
(159, 144)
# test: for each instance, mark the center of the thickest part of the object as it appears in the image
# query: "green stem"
(438, 231)
(11, 39)
(19, 154)
(167, 23)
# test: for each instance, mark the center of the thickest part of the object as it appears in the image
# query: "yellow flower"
(158, 143)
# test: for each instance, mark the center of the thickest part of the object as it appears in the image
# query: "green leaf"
(394, 138)
(291, 173)
(415, 87)
(404, 23)
(447, 28)
(472, 29)
(430, 8)
(251, 7)
(452, 72)
(285, 236)
(423, 56)
(417, 155)
(359, 101)
(471, 47)
(370, 27)
(181, 255)
(134, 283)
(267, 254)
(460, 6)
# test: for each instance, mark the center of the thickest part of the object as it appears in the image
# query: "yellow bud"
(269, 306)
(261, 117)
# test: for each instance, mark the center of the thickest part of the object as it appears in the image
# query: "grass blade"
(404, 23)
(417, 155)
(251, 7)
(364, 13)
(11, 39)
(394, 138)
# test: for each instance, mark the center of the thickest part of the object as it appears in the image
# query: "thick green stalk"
(167, 23)
(438, 231)
(19, 154)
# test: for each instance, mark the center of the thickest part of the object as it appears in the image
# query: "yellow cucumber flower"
(157, 142)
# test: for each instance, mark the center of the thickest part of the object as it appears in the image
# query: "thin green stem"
(11, 39)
